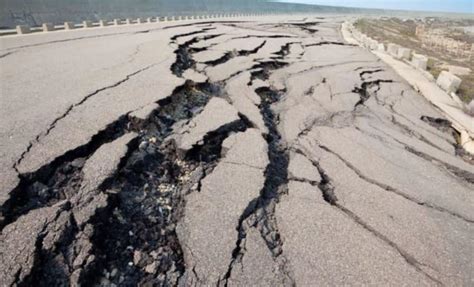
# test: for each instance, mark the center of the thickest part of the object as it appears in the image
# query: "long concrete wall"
(36, 12)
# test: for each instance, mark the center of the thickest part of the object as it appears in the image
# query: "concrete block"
(448, 82)
(470, 107)
(103, 23)
(392, 49)
(117, 22)
(128, 21)
(48, 27)
(467, 142)
(419, 61)
(374, 45)
(87, 24)
(381, 47)
(149, 20)
(69, 25)
(139, 21)
(404, 53)
(23, 29)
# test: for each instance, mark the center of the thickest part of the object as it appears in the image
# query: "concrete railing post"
(139, 21)
(103, 23)
(117, 22)
(448, 82)
(23, 29)
(419, 61)
(87, 24)
(149, 20)
(392, 49)
(69, 25)
(47, 27)
(404, 53)
(128, 21)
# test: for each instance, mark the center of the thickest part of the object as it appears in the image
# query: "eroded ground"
(231, 153)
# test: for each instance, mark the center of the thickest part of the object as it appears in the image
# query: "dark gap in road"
(262, 70)
(144, 200)
(307, 26)
(445, 126)
(285, 50)
(137, 241)
(253, 51)
(227, 56)
(325, 185)
(365, 90)
(184, 60)
(72, 107)
(413, 133)
(441, 124)
(328, 43)
(177, 36)
(304, 26)
(232, 54)
(260, 212)
(59, 179)
(265, 36)
(210, 149)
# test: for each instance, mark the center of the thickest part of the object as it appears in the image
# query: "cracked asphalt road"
(231, 152)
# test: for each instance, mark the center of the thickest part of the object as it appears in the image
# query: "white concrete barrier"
(117, 22)
(139, 20)
(374, 45)
(404, 53)
(48, 27)
(149, 20)
(381, 47)
(392, 49)
(467, 142)
(87, 24)
(103, 23)
(470, 107)
(69, 25)
(23, 29)
(448, 82)
(128, 21)
(419, 61)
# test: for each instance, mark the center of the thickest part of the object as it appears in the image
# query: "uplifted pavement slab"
(216, 114)
(208, 230)
(245, 100)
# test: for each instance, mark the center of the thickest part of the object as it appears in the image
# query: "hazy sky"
(462, 6)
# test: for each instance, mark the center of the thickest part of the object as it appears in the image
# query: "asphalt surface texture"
(231, 152)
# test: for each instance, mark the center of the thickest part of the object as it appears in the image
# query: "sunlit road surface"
(258, 151)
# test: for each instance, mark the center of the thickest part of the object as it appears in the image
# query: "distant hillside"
(34, 13)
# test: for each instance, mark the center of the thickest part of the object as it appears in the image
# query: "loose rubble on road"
(229, 153)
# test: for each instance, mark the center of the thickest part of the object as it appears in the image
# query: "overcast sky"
(462, 6)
